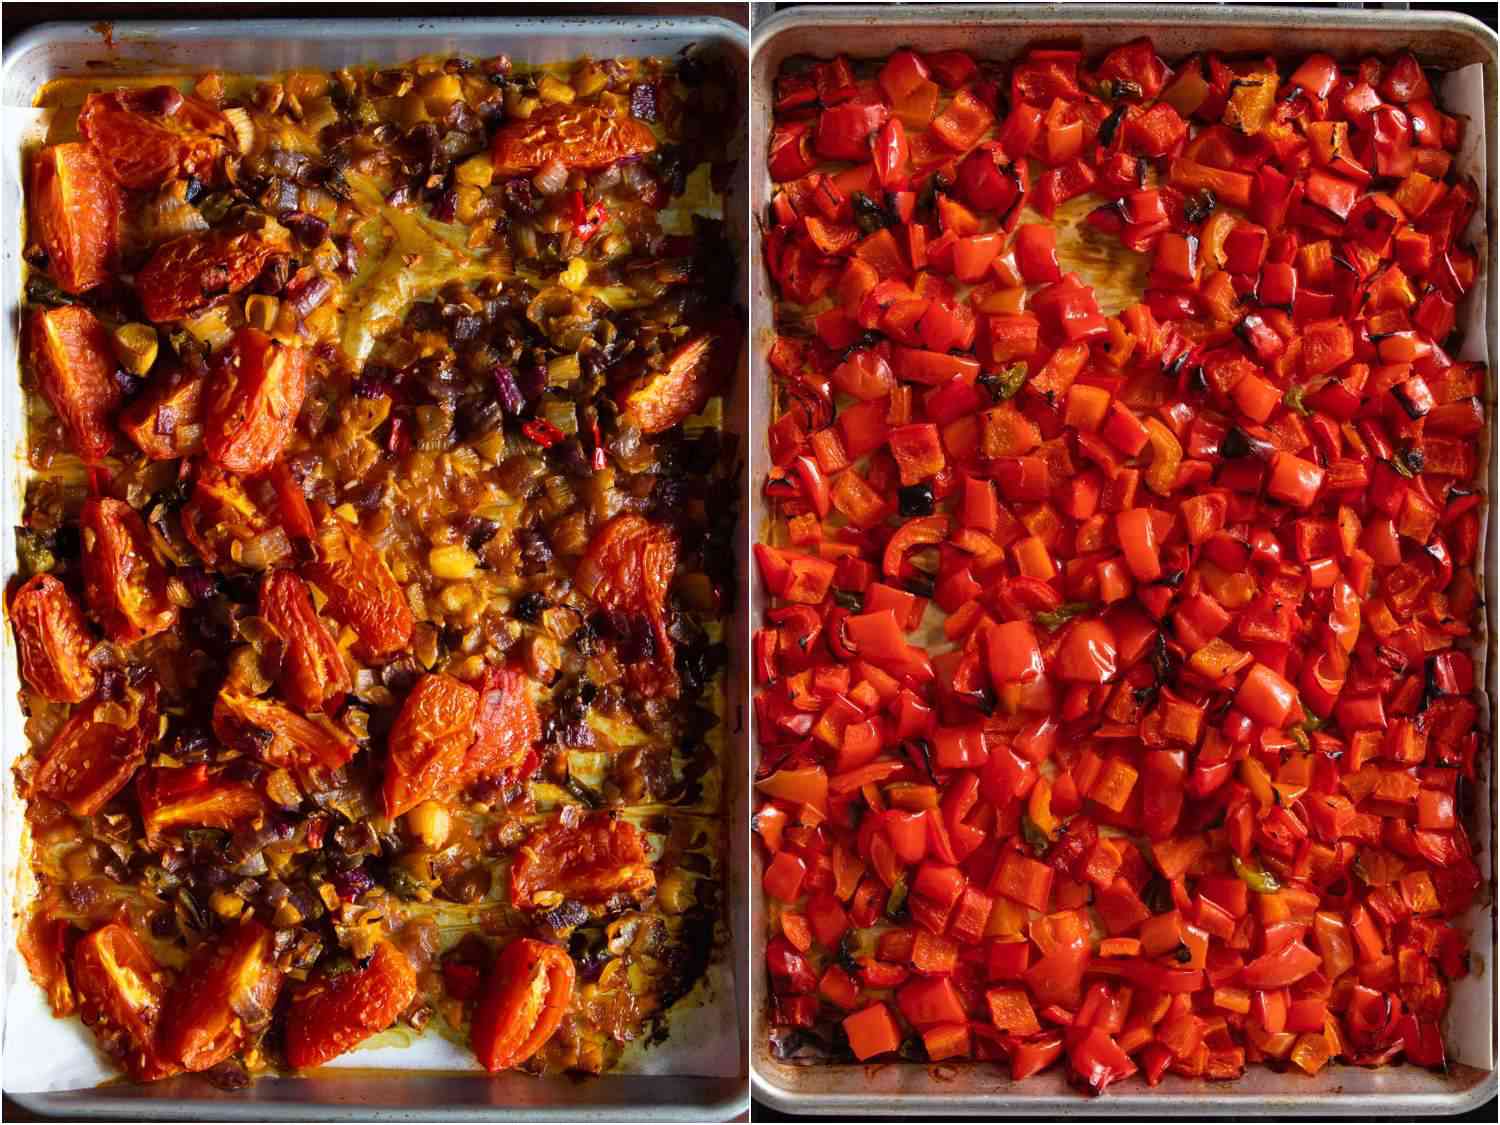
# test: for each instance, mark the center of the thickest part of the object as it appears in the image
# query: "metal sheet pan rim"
(841, 24)
(1168, 1103)
(129, 32)
(637, 1097)
(1067, 16)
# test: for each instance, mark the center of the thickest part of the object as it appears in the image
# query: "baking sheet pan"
(1440, 39)
(357, 1092)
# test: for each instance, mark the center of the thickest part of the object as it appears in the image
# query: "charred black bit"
(921, 584)
(854, 603)
(916, 499)
(1111, 124)
(1414, 409)
(983, 699)
(847, 952)
(42, 290)
(1157, 894)
(1119, 88)
(869, 215)
(1408, 462)
(1163, 664)
(1200, 205)
(1237, 443)
(867, 339)
(529, 607)
(919, 750)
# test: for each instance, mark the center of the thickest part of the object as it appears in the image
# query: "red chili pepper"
(587, 217)
(543, 432)
(599, 461)
(397, 440)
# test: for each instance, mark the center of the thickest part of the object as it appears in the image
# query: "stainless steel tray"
(266, 47)
(1441, 39)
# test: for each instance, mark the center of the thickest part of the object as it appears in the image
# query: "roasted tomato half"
(222, 998)
(196, 269)
(165, 421)
(627, 570)
(256, 386)
(314, 674)
(174, 797)
(280, 736)
(659, 400)
(507, 727)
(429, 743)
(526, 993)
(584, 137)
(332, 1014)
(591, 862)
(75, 215)
(53, 640)
(123, 583)
(361, 592)
(121, 989)
(219, 518)
(70, 356)
(146, 137)
(97, 751)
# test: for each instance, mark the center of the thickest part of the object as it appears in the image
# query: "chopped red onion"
(511, 398)
(532, 379)
(309, 296)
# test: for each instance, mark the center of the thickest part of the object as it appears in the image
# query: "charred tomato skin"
(70, 357)
(76, 210)
(525, 995)
(124, 584)
(589, 862)
(582, 137)
(360, 590)
(256, 390)
(230, 987)
(147, 136)
(329, 1016)
(429, 743)
(314, 674)
(53, 641)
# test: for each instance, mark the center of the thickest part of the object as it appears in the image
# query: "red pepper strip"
(815, 489)
(1287, 965)
(914, 533)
